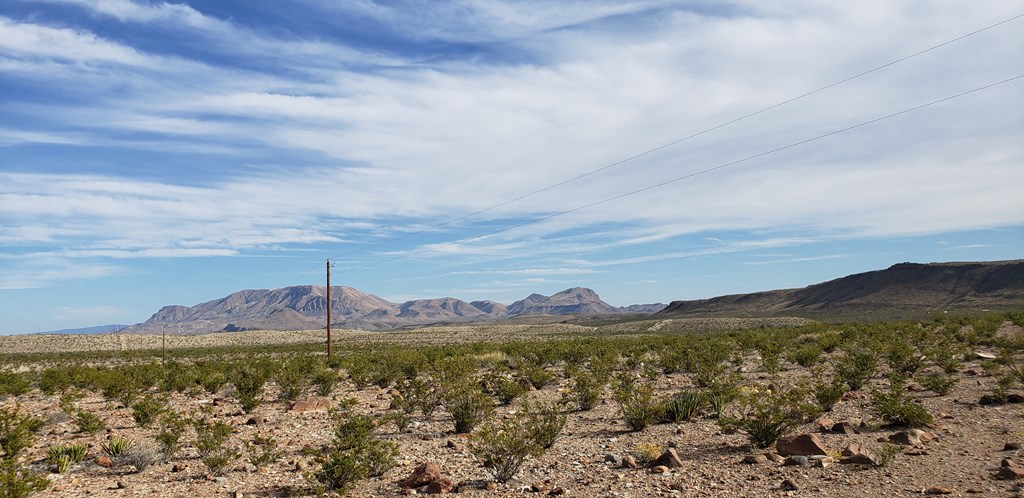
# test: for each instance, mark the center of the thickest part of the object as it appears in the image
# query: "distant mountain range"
(905, 290)
(305, 307)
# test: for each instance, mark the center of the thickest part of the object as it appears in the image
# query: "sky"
(156, 153)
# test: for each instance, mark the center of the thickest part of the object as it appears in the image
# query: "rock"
(795, 460)
(853, 454)
(491, 486)
(755, 459)
(255, 421)
(788, 485)
(915, 452)
(822, 462)
(315, 403)
(988, 399)
(556, 491)
(803, 444)
(668, 459)
(659, 469)
(1015, 398)
(844, 428)
(935, 490)
(440, 486)
(538, 487)
(628, 462)
(451, 444)
(613, 459)
(912, 437)
(424, 474)
(981, 355)
(1010, 471)
(774, 457)
(825, 424)
(178, 467)
(121, 485)
(1011, 447)
(104, 461)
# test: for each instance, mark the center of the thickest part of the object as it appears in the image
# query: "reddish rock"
(936, 490)
(556, 491)
(628, 462)
(659, 469)
(802, 444)
(853, 454)
(1010, 471)
(668, 459)
(312, 404)
(912, 437)
(440, 486)
(104, 461)
(844, 428)
(425, 474)
(825, 424)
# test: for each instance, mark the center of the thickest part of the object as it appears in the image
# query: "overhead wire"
(689, 175)
(683, 139)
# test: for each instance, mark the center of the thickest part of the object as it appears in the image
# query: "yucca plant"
(116, 446)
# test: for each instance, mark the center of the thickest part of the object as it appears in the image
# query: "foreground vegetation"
(468, 381)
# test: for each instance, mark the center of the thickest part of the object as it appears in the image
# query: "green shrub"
(17, 432)
(210, 443)
(325, 380)
(938, 383)
(354, 454)
(418, 393)
(171, 430)
(768, 414)
(543, 422)
(295, 376)
(584, 390)
(828, 393)
(806, 355)
(537, 377)
(886, 453)
(505, 390)
(14, 384)
(903, 358)
(54, 380)
(263, 450)
(504, 446)
(17, 481)
(636, 402)
(857, 367)
(469, 407)
(178, 378)
(89, 422)
(249, 381)
(682, 407)
(897, 408)
(146, 411)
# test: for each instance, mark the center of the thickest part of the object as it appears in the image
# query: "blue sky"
(156, 153)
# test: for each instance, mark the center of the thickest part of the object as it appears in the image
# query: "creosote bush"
(146, 411)
(172, 427)
(584, 389)
(89, 422)
(469, 407)
(210, 443)
(354, 454)
(897, 408)
(503, 446)
(636, 402)
(766, 414)
(263, 450)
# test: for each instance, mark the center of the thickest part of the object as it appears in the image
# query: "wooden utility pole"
(328, 307)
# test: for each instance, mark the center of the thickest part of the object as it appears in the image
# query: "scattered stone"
(825, 424)
(774, 457)
(915, 452)
(788, 485)
(104, 461)
(988, 399)
(451, 444)
(629, 462)
(613, 459)
(491, 486)
(220, 479)
(1010, 471)
(538, 487)
(935, 490)
(424, 474)
(238, 494)
(802, 444)
(795, 460)
(121, 485)
(441, 486)
(912, 437)
(556, 491)
(853, 454)
(755, 459)
(1011, 447)
(982, 355)
(822, 462)
(178, 467)
(1015, 398)
(670, 458)
(659, 469)
(844, 428)
(257, 420)
(312, 404)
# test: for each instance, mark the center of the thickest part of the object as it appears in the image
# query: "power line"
(684, 139)
(696, 173)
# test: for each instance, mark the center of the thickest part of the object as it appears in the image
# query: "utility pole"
(328, 307)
